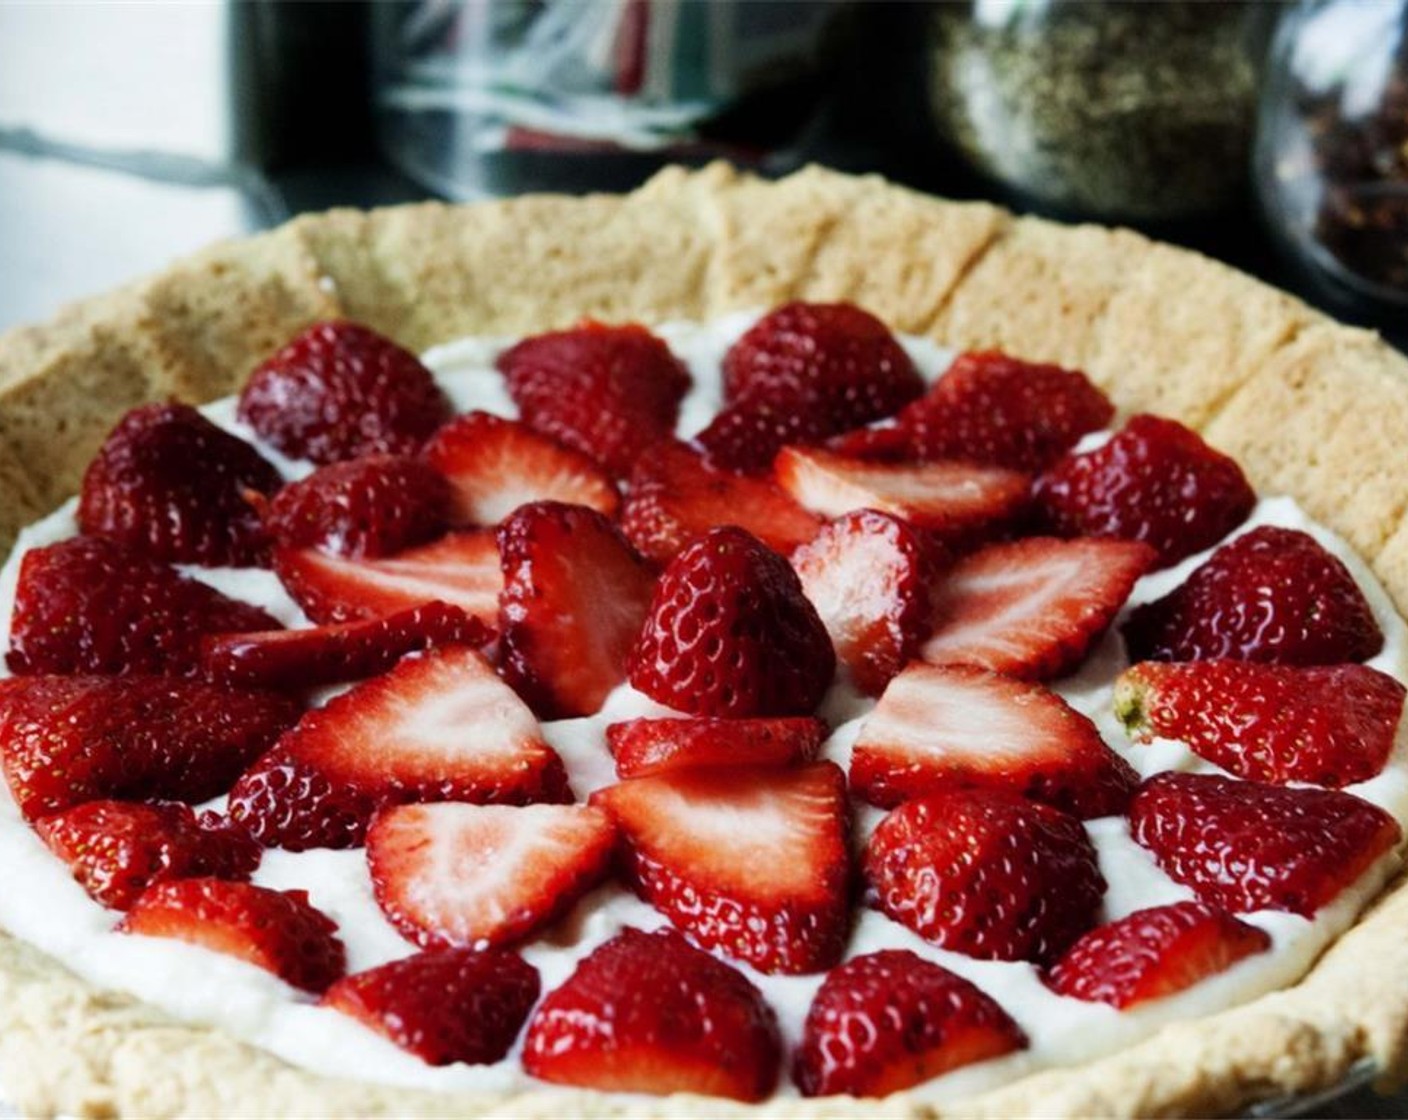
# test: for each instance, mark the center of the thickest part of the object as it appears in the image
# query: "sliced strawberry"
(642, 747)
(675, 498)
(958, 501)
(440, 726)
(752, 862)
(91, 605)
(575, 595)
(887, 1021)
(1272, 595)
(605, 391)
(869, 576)
(67, 740)
(1032, 608)
(348, 651)
(958, 727)
(745, 438)
(171, 485)
(1154, 481)
(452, 1005)
(1330, 726)
(649, 1013)
(117, 849)
(278, 931)
(987, 874)
(994, 409)
(484, 875)
(731, 634)
(878, 443)
(496, 465)
(1154, 953)
(362, 508)
(461, 569)
(339, 391)
(1245, 846)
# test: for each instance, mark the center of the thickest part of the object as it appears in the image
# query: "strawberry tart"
(732, 647)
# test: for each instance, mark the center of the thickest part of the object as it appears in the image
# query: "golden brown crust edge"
(1308, 407)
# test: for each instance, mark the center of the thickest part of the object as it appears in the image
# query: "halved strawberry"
(362, 508)
(959, 727)
(484, 875)
(450, 1005)
(495, 465)
(869, 576)
(440, 726)
(1246, 846)
(460, 568)
(642, 747)
(91, 605)
(575, 595)
(995, 409)
(171, 485)
(607, 391)
(117, 849)
(1154, 953)
(1272, 595)
(887, 1021)
(752, 862)
(987, 874)
(278, 931)
(958, 501)
(1330, 726)
(730, 633)
(307, 658)
(649, 1013)
(67, 740)
(675, 498)
(1034, 607)
(1154, 481)
(339, 391)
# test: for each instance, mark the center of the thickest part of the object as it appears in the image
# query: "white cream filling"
(41, 903)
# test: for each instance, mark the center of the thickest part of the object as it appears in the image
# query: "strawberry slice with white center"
(952, 499)
(496, 465)
(1032, 608)
(939, 728)
(461, 569)
(441, 726)
(752, 862)
(481, 876)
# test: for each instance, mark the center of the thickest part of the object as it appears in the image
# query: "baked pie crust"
(1307, 406)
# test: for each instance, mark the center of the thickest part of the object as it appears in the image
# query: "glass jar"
(1332, 151)
(1121, 111)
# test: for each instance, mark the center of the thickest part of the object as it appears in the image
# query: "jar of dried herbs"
(1114, 110)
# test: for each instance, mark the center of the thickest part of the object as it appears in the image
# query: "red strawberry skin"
(171, 485)
(575, 595)
(730, 633)
(1329, 726)
(67, 740)
(649, 1013)
(91, 605)
(340, 391)
(450, 1005)
(308, 658)
(886, 1021)
(366, 507)
(1245, 846)
(642, 747)
(116, 849)
(1154, 953)
(1272, 595)
(986, 874)
(276, 930)
(1154, 481)
(607, 391)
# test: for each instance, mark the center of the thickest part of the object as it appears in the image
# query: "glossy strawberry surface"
(642, 747)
